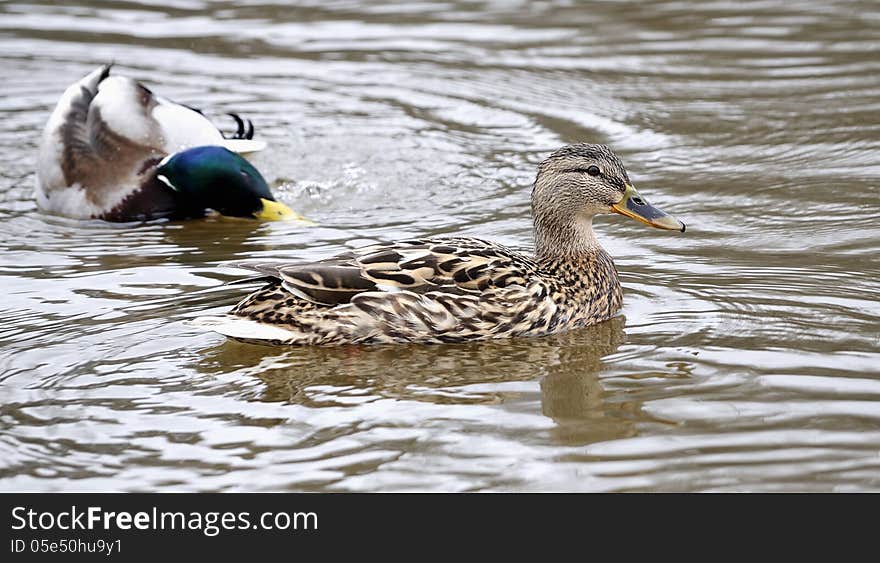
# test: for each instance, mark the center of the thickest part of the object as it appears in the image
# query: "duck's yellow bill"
(635, 206)
(277, 211)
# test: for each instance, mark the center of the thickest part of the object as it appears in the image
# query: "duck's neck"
(570, 240)
(580, 269)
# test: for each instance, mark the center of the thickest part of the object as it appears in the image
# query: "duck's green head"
(213, 177)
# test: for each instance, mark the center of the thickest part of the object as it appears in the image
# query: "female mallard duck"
(457, 289)
(113, 150)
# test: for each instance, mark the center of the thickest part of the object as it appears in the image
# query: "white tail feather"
(239, 327)
(243, 146)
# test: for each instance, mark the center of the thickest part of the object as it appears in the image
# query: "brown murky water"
(749, 355)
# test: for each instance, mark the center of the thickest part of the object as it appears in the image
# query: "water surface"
(747, 356)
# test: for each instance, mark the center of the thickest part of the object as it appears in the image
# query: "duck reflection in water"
(567, 366)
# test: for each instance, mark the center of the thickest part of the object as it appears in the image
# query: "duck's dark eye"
(593, 170)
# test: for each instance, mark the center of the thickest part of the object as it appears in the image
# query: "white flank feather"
(71, 203)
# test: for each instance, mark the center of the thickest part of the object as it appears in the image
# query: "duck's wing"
(66, 151)
(452, 266)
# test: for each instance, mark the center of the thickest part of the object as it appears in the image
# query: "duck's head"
(579, 181)
(213, 177)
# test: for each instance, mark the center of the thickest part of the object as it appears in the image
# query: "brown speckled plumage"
(452, 289)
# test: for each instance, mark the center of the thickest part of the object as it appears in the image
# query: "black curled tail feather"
(244, 127)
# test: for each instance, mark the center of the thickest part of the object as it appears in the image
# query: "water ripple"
(746, 359)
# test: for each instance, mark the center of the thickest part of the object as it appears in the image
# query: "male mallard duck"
(113, 150)
(457, 289)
